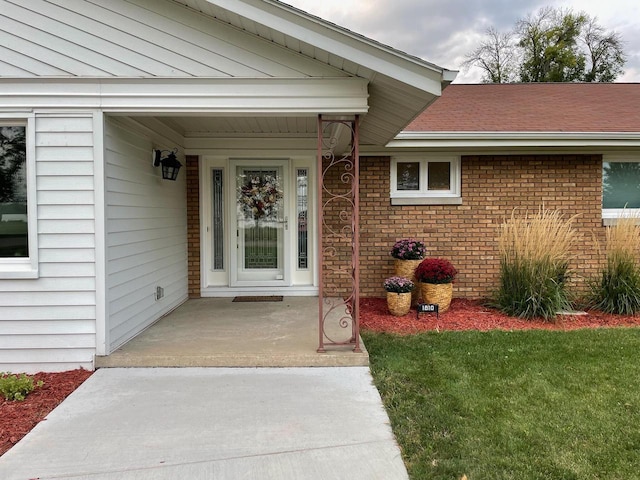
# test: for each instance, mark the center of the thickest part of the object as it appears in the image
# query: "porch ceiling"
(241, 126)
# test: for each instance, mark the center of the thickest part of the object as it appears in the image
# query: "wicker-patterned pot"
(406, 269)
(399, 303)
(437, 293)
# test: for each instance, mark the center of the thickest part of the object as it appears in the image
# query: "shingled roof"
(533, 107)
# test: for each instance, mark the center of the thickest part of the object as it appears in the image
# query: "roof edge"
(462, 140)
(419, 135)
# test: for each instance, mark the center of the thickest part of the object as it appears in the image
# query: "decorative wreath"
(260, 195)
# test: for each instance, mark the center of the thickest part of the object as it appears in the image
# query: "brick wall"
(467, 234)
(193, 225)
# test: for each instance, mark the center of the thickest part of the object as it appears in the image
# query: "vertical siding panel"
(48, 323)
(146, 235)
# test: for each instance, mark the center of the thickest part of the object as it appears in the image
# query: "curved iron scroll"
(338, 235)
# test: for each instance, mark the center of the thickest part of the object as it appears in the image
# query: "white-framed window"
(425, 180)
(18, 226)
(620, 185)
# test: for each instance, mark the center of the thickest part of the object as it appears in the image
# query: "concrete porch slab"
(216, 332)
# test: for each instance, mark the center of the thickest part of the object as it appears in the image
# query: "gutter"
(513, 139)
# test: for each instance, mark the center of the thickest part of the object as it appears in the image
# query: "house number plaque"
(427, 308)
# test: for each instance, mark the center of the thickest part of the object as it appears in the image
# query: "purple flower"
(398, 285)
(408, 249)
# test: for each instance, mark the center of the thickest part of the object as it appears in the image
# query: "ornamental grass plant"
(617, 288)
(535, 251)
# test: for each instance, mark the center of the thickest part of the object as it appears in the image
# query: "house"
(94, 244)
(303, 147)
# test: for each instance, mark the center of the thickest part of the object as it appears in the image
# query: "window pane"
(408, 175)
(302, 207)
(260, 202)
(620, 185)
(13, 192)
(439, 176)
(218, 219)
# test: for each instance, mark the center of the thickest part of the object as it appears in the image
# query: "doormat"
(272, 298)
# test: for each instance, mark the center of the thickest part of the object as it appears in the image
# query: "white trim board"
(513, 139)
(295, 291)
(268, 96)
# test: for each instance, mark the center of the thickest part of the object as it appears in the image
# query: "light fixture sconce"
(169, 162)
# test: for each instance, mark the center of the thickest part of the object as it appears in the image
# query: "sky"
(444, 31)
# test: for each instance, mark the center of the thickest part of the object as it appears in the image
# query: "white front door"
(260, 219)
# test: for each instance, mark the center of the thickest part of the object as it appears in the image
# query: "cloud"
(443, 32)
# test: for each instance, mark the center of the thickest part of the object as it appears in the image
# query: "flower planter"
(438, 293)
(407, 268)
(399, 304)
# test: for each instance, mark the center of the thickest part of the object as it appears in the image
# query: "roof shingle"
(533, 107)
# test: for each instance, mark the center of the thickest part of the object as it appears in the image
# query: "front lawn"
(513, 405)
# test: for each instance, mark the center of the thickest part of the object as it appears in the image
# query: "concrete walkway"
(214, 423)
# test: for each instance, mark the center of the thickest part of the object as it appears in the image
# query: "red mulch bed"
(17, 418)
(473, 315)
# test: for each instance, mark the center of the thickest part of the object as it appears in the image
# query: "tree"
(604, 52)
(496, 56)
(553, 45)
(549, 43)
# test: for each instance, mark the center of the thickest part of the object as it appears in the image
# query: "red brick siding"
(467, 234)
(193, 225)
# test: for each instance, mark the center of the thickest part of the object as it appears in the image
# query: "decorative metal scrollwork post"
(338, 233)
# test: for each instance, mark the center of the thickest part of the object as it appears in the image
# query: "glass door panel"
(261, 222)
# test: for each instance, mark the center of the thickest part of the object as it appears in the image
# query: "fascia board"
(513, 139)
(229, 96)
(341, 42)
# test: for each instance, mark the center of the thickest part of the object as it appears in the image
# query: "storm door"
(261, 223)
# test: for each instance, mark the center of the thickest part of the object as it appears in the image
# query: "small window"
(432, 180)
(408, 177)
(620, 185)
(18, 253)
(439, 176)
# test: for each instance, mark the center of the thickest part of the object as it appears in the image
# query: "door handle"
(286, 222)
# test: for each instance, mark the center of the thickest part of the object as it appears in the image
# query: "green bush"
(617, 288)
(17, 387)
(534, 265)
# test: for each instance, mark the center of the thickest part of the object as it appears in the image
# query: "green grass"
(513, 405)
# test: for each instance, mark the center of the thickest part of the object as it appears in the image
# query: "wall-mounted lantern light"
(170, 164)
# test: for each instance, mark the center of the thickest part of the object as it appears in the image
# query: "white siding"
(146, 235)
(136, 38)
(48, 323)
